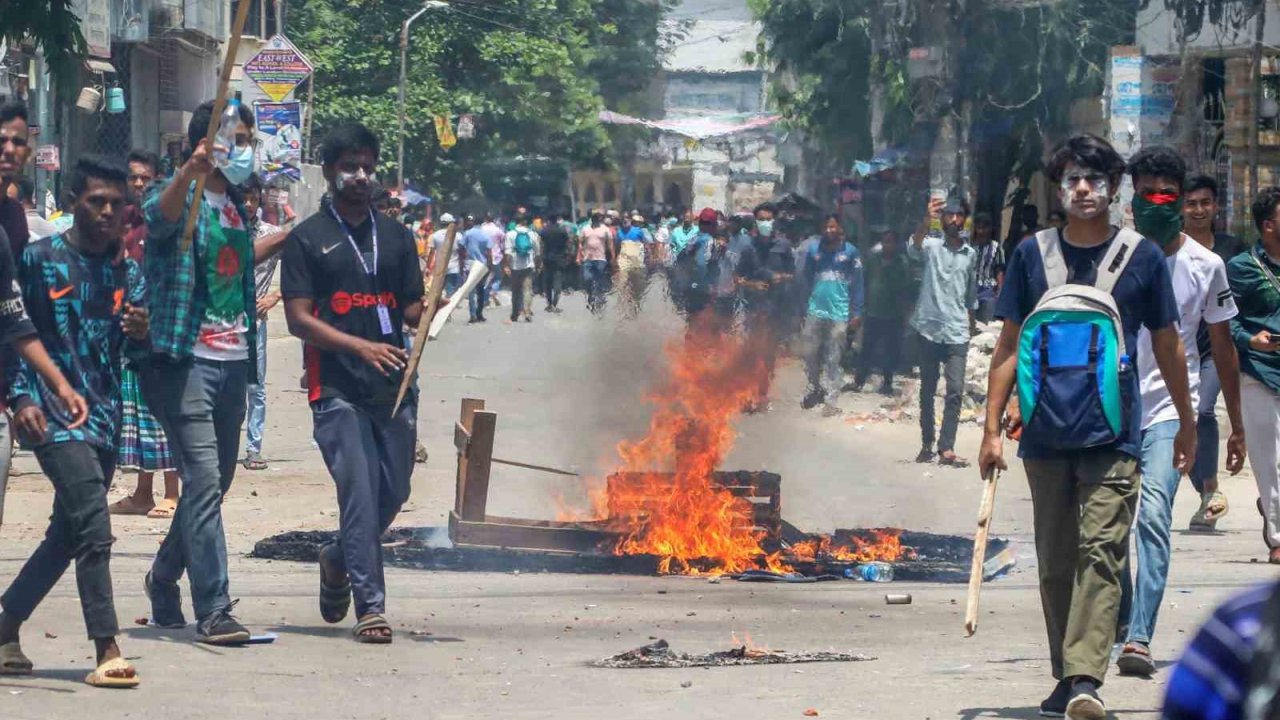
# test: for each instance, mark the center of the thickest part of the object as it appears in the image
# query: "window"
(261, 22)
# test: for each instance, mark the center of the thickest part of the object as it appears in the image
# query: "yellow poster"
(444, 131)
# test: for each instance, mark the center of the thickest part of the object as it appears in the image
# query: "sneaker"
(220, 628)
(926, 456)
(1056, 704)
(812, 400)
(1085, 703)
(166, 603)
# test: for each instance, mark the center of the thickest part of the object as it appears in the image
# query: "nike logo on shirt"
(331, 248)
(58, 294)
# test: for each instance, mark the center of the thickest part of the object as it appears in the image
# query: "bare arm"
(268, 246)
(1227, 362)
(32, 351)
(413, 314)
(1004, 363)
(1171, 358)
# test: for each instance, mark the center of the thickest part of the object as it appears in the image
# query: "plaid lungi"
(142, 442)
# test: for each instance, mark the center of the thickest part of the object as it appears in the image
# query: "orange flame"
(884, 546)
(683, 516)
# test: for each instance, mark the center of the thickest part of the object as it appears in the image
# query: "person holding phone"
(1256, 332)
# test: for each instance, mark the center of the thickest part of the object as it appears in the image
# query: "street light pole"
(404, 60)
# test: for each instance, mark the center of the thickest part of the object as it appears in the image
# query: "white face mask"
(1090, 206)
(344, 178)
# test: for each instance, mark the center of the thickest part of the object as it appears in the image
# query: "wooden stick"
(428, 312)
(980, 551)
(531, 466)
(219, 105)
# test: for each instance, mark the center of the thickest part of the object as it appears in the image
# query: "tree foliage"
(53, 27)
(534, 73)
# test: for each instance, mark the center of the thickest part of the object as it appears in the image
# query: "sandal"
(13, 661)
(950, 459)
(114, 673)
(129, 506)
(254, 462)
(335, 600)
(925, 456)
(368, 630)
(1135, 659)
(1212, 506)
(164, 510)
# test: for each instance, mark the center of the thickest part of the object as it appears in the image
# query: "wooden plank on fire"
(517, 533)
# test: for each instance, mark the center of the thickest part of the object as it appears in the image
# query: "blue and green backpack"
(1071, 352)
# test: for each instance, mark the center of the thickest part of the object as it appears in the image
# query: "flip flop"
(254, 463)
(954, 461)
(128, 506)
(372, 622)
(335, 601)
(163, 510)
(13, 661)
(101, 677)
(1215, 506)
(1135, 659)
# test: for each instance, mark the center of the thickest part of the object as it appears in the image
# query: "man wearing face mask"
(1081, 454)
(1201, 292)
(203, 340)
(765, 270)
(943, 319)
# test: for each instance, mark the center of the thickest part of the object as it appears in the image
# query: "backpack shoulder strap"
(1116, 259)
(1055, 267)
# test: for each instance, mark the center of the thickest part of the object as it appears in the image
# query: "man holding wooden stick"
(203, 329)
(350, 284)
(1072, 304)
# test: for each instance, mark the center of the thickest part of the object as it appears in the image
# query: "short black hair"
(146, 157)
(1158, 161)
(252, 184)
(1087, 151)
(768, 206)
(347, 137)
(13, 111)
(1202, 182)
(198, 127)
(26, 189)
(1264, 205)
(96, 166)
(982, 216)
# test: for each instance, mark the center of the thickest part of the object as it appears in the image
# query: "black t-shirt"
(555, 244)
(1226, 247)
(320, 264)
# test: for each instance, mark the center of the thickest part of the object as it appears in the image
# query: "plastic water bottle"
(876, 572)
(225, 141)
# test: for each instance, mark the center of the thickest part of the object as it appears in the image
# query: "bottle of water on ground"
(871, 572)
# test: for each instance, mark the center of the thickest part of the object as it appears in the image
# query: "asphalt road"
(482, 645)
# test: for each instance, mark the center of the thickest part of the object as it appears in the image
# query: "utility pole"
(404, 61)
(1255, 65)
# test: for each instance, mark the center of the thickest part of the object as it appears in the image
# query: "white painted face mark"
(1090, 205)
(345, 178)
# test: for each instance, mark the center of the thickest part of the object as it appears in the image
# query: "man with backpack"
(523, 258)
(1073, 302)
(1256, 332)
(1200, 288)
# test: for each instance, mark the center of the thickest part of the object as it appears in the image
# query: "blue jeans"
(595, 278)
(478, 300)
(201, 405)
(258, 396)
(1206, 465)
(1142, 599)
(452, 281)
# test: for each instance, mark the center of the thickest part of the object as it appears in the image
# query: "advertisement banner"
(444, 131)
(278, 68)
(279, 140)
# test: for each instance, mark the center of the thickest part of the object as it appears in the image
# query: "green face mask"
(1161, 222)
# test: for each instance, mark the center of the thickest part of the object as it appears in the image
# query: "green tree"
(53, 27)
(534, 73)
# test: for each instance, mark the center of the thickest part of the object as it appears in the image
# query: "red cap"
(708, 216)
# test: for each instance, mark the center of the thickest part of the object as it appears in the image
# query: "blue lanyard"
(373, 229)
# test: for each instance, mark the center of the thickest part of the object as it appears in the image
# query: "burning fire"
(684, 516)
(884, 546)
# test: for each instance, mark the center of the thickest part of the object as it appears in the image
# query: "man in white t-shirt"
(452, 273)
(1202, 293)
(521, 260)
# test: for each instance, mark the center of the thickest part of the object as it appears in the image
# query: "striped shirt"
(1212, 678)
